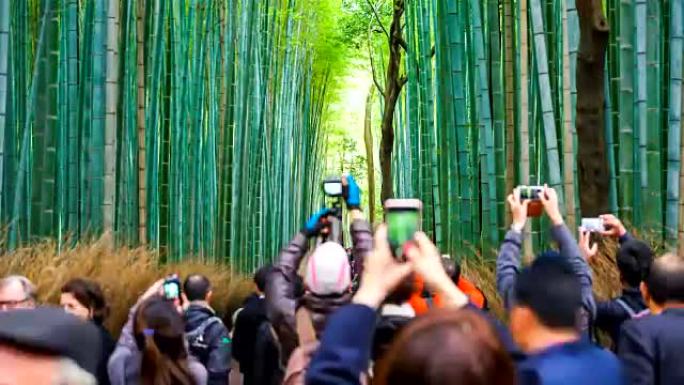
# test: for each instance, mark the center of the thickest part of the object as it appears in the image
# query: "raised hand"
(588, 250)
(381, 272)
(316, 223)
(518, 210)
(549, 199)
(613, 225)
(351, 192)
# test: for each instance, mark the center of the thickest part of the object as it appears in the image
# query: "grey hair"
(69, 373)
(28, 287)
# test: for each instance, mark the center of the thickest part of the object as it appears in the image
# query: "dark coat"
(217, 358)
(247, 324)
(610, 315)
(108, 345)
(652, 348)
(571, 364)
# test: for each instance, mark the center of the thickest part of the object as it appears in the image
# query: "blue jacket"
(508, 266)
(571, 364)
(652, 348)
(345, 350)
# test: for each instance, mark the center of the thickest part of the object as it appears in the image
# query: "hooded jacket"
(217, 359)
(281, 300)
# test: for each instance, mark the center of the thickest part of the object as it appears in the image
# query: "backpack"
(197, 345)
(267, 367)
(632, 313)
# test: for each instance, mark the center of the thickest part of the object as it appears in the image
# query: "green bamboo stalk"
(674, 152)
(19, 192)
(549, 124)
(653, 197)
(4, 69)
(626, 121)
(111, 115)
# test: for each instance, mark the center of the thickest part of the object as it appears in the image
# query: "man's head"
(452, 269)
(665, 282)
(47, 346)
(547, 299)
(17, 292)
(634, 260)
(197, 288)
(328, 271)
(261, 277)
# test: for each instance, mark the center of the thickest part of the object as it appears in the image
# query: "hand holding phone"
(172, 287)
(403, 217)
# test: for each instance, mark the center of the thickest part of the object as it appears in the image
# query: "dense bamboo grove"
(192, 126)
(491, 102)
(198, 126)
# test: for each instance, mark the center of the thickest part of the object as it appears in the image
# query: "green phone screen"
(401, 227)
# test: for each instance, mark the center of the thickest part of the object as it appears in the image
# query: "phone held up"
(533, 194)
(403, 218)
(172, 287)
(593, 225)
(332, 187)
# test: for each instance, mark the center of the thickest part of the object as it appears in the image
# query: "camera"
(594, 225)
(532, 193)
(332, 187)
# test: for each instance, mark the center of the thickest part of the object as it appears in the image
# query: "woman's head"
(446, 347)
(84, 299)
(159, 334)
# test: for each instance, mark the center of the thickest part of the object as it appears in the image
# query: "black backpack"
(197, 343)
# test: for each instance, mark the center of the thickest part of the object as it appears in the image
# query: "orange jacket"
(421, 306)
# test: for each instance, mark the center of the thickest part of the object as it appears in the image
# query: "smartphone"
(172, 288)
(532, 193)
(594, 225)
(403, 218)
(332, 187)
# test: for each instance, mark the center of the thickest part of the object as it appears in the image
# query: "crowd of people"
(360, 316)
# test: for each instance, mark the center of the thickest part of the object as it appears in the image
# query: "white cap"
(328, 271)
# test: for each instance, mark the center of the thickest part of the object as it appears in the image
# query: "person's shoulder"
(197, 371)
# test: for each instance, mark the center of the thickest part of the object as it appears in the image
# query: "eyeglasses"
(11, 304)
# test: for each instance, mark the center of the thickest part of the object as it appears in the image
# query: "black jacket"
(217, 359)
(250, 318)
(652, 348)
(610, 315)
(108, 345)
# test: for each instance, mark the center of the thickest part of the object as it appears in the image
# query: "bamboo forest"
(205, 127)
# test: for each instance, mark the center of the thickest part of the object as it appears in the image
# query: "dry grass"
(123, 273)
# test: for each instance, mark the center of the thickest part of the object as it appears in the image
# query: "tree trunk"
(370, 161)
(142, 153)
(393, 85)
(591, 154)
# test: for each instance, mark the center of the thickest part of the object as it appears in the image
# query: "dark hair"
(666, 279)
(159, 334)
(196, 287)
(446, 347)
(89, 294)
(634, 260)
(452, 269)
(261, 277)
(550, 288)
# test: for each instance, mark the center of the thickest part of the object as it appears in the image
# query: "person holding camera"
(634, 259)
(551, 304)
(152, 346)
(327, 278)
